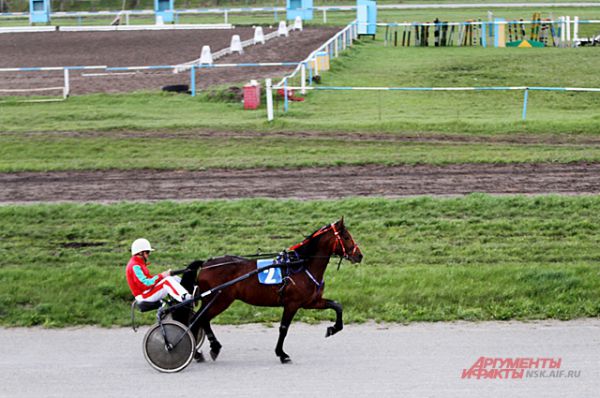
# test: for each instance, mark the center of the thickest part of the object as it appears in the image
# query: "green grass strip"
(474, 258)
(47, 152)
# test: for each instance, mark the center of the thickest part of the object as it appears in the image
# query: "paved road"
(418, 360)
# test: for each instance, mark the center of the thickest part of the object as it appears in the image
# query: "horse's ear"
(341, 222)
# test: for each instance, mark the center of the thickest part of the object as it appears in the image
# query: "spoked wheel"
(200, 337)
(177, 355)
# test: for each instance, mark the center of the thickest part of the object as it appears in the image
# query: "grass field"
(366, 64)
(472, 258)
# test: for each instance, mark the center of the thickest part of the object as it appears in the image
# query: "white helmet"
(140, 245)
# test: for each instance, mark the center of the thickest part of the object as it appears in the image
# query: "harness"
(292, 264)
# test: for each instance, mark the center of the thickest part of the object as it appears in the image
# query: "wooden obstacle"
(473, 33)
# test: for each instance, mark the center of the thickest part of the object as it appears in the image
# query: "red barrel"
(251, 96)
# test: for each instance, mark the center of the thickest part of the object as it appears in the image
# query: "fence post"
(193, 80)
(269, 94)
(562, 31)
(285, 96)
(324, 16)
(226, 14)
(336, 44)
(67, 88)
(525, 103)
(568, 26)
(303, 77)
(575, 30)
(484, 34)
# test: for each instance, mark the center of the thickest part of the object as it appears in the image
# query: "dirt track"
(145, 48)
(305, 183)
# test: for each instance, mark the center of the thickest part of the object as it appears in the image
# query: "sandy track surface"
(418, 360)
(304, 183)
(145, 48)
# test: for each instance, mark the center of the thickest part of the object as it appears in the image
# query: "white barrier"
(206, 57)
(110, 28)
(236, 45)
(27, 29)
(107, 28)
(283, 29)
(298, 23)
(259, 36)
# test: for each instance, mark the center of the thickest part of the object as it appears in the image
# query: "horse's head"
(344, 245)
(332, 239)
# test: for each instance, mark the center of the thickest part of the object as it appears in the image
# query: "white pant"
(169, 285)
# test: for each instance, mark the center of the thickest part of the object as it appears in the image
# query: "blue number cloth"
(271, 276)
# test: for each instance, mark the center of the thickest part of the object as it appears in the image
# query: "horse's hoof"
(199, 356)
(285, 359)
(215, 349)
(331, 330)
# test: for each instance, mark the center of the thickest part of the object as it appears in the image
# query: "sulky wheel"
(200, 337)
(182, 347)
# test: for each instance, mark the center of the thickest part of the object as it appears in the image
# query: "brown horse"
(302, 285)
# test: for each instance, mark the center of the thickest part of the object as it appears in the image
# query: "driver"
(144, 286)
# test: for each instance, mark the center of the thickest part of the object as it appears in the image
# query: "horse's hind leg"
(215, 346)
(213, 308)
(286, 320)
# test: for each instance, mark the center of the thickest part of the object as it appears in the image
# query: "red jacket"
(138, 276)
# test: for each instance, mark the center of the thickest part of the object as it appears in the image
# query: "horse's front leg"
(323, 304)
(286, 320)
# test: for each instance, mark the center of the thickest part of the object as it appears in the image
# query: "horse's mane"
(310, 237)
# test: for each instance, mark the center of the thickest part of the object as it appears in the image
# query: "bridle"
(338, 241)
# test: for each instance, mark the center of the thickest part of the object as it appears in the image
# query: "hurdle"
(560, 32)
